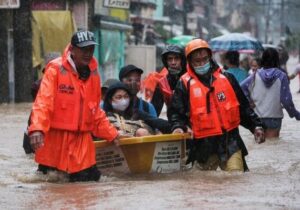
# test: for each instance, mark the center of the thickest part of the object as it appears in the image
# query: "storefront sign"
(122, 4)
(9, 4)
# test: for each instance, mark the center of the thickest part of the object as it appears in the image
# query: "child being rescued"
(118, 105)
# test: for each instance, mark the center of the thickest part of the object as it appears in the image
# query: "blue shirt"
(151, 110)
(238, 73)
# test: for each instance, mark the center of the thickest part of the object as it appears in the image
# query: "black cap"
(83, 39)
(127, 69)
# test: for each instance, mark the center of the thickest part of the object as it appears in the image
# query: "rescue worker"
(159, 87)
(213, 105)
(66, 113)
(130, 75)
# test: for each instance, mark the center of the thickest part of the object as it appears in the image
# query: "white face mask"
(120, 105)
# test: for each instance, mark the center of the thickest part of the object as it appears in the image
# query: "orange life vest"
(73, 110)
(150, 82)
(67, 111)
(166, 90)
(224, 111)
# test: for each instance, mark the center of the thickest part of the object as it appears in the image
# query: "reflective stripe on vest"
(224, 111)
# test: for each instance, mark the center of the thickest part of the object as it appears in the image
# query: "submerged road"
(272, 183)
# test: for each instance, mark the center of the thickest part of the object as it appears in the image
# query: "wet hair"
(270, 59)
(233, 57)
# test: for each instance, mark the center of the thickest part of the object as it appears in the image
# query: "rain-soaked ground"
(272, 183)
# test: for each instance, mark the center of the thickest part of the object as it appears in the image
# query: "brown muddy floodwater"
(272, 183)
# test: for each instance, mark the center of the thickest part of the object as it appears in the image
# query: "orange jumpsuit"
(151, 81)
(67, 111)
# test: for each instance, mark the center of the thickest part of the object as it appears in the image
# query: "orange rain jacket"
(151, 81)
(166, 90)
(224, 106)
(67, 111)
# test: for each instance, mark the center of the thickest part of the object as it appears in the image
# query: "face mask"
(120, 105)
(133, 88)
(174, 71)
(202, 70)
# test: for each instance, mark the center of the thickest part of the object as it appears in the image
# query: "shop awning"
(52, 31)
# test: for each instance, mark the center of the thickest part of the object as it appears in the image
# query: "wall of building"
(5, 17)
(16, 69)
(143, 56)
(23, 52)
(16, 75)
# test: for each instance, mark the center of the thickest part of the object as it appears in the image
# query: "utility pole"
(5, 17)
(209, 7)
(209, 17)
(267, 12)
(185, 29)
(187, 8)
(282, 19)
(22, 34)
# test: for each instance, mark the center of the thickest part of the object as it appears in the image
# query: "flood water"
(272, 183)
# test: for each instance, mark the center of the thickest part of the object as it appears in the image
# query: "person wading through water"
(213, 105)
(66, 113)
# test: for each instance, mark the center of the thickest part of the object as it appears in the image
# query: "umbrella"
(235, 42)
(180, 40)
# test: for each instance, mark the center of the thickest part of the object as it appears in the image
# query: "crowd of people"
(72, 108)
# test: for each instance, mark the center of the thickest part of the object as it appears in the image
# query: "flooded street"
(272, 183)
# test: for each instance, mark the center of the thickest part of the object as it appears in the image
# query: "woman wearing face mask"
(118, 105)
(213, 105)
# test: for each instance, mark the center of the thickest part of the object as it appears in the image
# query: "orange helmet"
(194, 45)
